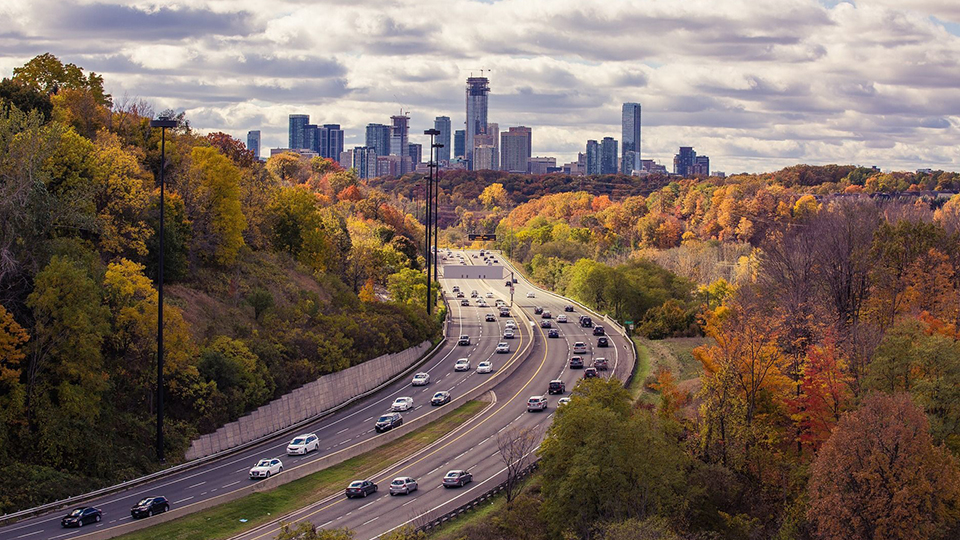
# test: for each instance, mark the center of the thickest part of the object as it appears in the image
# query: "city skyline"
(869, 83)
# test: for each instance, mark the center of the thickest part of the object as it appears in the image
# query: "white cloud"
(755, 85)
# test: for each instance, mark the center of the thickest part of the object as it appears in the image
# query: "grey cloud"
(191, 91)
(109, 21)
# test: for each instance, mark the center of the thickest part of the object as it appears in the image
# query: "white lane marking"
(182, 500)
(433, 471)
(230, 484)
(371, 521)
(325, 524)
(369, 419)
(462, 454)
(29, 534)
(366, 505)
(409, 502)
(197, 485)
(239, 471)
(342, 430)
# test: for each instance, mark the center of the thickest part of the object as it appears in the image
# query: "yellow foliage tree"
(493, 195)
(214, 201)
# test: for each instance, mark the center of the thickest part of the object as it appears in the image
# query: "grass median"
(224, 521)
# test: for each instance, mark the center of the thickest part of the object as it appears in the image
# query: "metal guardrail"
(6, 519)
(473, 504)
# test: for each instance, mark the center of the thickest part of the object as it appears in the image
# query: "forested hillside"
(275, 274)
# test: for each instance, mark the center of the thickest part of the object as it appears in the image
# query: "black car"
(590, 373)
(603, 342)
(586, 322)
(507, 283)
(556, 387)
(598, 330)
(546, 323)
(81, 516)
(360, 488)
(440, 398)
(568, 308)
(538, 310)
(388, 421)
(576, 362)
(553, 333)
(149, 506)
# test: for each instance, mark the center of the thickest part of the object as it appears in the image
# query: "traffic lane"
(335, 432)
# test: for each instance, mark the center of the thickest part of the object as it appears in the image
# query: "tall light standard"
(163, 123)
(436, 204)
(431, 213)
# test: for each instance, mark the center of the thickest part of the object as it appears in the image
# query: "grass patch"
(223, 521)
(640, 373)
(676, 354)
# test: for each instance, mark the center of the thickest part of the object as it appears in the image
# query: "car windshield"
(144, 502)
(453, 474)
(76, 512)
(438, 395)
(298, 440)
(397, 482)
(385, 418)
(356, 484)
(264, 463)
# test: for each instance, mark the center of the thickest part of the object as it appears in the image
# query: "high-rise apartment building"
(701, 167)
(684, 161)
(311, 139)
(365, 161)
(593, 157)
(459, 143)
(416, 153)
(541, 165)
(608, 156)
(630, 124)
(515, 149)
(378, 138)
(253, 142)
(477, 90)
(399, 146)
(486, 157)
(297, 123)
(346, 159)
(330, 141)
(442, 124)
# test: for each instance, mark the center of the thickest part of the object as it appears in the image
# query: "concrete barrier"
(306, 402)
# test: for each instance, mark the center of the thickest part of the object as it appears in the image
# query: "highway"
(473, 447)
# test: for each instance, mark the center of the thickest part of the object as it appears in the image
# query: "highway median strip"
(224, 521)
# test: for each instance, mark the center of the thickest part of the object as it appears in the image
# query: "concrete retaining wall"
(306, 402)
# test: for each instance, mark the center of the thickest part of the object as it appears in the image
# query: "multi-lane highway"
(538, 360)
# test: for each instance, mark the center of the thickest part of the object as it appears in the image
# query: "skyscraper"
(442, 124)
(365, 161)
(631, 138)
(515, 149)
(477, 90)
(416, 153)
(593, 157)
(398, 140)
(608, 156)
(684, 160)
(330, 141)
(485, 157)
(459, 143)
(311, 140)
(297, 123)
(253, 142)
(378, 138)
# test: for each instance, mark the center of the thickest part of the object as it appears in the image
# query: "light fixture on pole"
(162, 123)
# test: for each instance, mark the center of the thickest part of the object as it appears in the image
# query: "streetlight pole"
(436, 193)
(163, 124)
(431, 214)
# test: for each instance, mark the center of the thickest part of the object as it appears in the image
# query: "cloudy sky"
(756, 85)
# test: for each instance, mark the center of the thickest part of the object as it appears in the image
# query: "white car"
(508, 334)
(563, 401)
(265, 467)
(537, 403)
(531, 295)
(561, 318)
(402, 404)
(511, 325)
(490, 317)
(500, 303)
(579, 348)
(462, 364)
(503, 347)
(485, 367)
(489, 295)
(481, 303)
(301, 444)
(403, 485)
(421, 379)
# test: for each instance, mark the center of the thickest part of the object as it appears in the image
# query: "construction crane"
(471, 70)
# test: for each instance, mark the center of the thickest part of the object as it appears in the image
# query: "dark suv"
(388, 421)
(585, 321)
(598, 330)
(601, 364)
(556, 387)
(576, 362)
(603, 342)
(149, 506)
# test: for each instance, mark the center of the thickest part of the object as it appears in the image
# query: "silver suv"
(537, 403)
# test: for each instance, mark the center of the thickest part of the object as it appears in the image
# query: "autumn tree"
(49, 75)
(824, 394)
(13, 338)
(880, 476)
(232, 148)
(288, 168)
(120, 200)
(493, 195)
(213, 202)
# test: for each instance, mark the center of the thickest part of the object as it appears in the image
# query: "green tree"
(49, 75)
(213, 201)
(239, 374)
